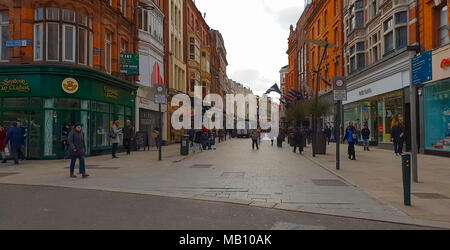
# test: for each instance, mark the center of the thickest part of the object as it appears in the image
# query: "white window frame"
(108, 59)
(46, 43)
(3, 25)
(35, 43)
(85, 45)
(74, 42)
(91, 48)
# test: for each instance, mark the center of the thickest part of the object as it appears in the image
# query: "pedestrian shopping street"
(271, 178)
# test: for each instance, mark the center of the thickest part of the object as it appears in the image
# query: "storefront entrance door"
(64, 124)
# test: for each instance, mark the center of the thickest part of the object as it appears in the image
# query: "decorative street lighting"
(326, 46)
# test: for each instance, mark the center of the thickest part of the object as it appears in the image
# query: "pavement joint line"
(278, 206)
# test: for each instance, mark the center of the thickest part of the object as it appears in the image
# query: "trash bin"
(321, 146)
(291, 139)
(184, 145)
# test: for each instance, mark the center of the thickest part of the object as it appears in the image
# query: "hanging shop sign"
(70, 86)
(15, 85)
(129, 64)
(111, 93)
(422, 68)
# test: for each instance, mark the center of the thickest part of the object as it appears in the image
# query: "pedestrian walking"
(2, 143)
(365, 133)
(128, 136)
(259, 135)
(155, 137)
(115, 138)
(352, 138)
(77, 147)
(23, 131)
(205, 138)
(15, 139)
(327, 132)
(397, 137)
(280, 138)
(191, 134)
(254, 136)
(298, 140)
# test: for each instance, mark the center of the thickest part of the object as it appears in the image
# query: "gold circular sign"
(70, 85)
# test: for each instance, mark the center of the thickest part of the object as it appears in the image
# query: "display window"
(436, 99)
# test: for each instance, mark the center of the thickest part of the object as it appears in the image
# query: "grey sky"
(255, 34)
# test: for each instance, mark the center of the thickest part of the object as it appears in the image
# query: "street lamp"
(326, 46)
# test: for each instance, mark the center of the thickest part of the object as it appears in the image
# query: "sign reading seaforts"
(70, 85)
(15, 86)
(111, 93)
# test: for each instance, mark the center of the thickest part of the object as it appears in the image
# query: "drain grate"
(7, 174)
(329, 183)
(430, 196)
(201, 166)
(233, 174)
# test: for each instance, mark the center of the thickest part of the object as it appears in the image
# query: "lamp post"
(326, 46)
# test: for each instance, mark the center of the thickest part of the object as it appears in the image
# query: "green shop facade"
(47, 98)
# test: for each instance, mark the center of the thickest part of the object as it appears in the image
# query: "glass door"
(64, 124)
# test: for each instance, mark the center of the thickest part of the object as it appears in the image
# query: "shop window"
(35, 102)
(437, 116)
(102, 107)
(65, 103)
(4, 36)
(102, 127)
(20, 102)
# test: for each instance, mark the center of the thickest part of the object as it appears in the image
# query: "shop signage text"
(365, 92)
(20, 43)
(15, 86)
(111, 93)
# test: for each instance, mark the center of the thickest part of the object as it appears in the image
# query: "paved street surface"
(268, 178)
(32, 207)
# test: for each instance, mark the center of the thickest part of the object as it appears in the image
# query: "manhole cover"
(201, 166)
(329, 183)
(7, 174)
(430, 196)
(233, 174)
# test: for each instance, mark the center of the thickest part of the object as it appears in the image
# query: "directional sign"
(422, 68)
(20, 43)
(129, 64)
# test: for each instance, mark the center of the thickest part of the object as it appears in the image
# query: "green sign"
(129, 64)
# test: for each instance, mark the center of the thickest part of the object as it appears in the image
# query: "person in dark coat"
(365, 133)
(2, 143)
(77, 148)
(15, 139)
(280, 139)
(397, 137)
(254, 135)
(352, 138)
(128, 136)
(298, 140)
(198, 140)
(21, 153)
(327, 132)
(191, 136)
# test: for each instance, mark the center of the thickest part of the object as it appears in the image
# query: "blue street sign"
(20, 43)
(422, 68)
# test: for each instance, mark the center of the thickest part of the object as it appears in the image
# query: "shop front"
(376, 98)
(435, 100)
(48, 100)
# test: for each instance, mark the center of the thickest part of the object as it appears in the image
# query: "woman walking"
(77, 150)
(365, 132)
(352, 138)
(115, 138)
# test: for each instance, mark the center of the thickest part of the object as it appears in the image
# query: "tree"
(302, 111)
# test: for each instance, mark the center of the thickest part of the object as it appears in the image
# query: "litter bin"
(185, 145)
(291, 139)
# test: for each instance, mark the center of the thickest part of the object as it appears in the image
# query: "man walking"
(352, 138)
(365, 133)
(327, 133)
(14, 137)
(397, 136)
(77, 150)
(255, 137)
(298, 140)
(128, 136)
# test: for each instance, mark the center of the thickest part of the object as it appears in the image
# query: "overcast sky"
(255, 34)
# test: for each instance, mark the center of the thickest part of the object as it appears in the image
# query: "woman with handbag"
(115, 138)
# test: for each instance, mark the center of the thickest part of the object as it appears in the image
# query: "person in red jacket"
(2, 143)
